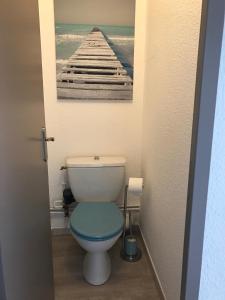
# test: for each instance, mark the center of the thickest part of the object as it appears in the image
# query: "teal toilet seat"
(96, 221)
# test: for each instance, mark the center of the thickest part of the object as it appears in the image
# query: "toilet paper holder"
(130, 251)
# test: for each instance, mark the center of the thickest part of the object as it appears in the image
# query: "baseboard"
(159, 285)
(60, 231)
(58, 221)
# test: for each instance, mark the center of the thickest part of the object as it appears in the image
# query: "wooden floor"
(128, 281)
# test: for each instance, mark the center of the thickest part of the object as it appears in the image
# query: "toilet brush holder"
(130, 252)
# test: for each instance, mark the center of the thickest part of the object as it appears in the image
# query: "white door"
(25, 240)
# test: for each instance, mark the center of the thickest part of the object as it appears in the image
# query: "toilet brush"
(130, 251)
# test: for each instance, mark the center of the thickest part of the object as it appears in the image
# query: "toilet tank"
(96, 178)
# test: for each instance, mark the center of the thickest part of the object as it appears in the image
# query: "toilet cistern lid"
(95, 161)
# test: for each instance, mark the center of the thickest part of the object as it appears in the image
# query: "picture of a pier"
(95, 71)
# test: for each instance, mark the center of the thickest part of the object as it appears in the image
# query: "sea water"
(70, 36)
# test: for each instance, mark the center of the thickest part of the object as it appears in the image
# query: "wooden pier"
(94, 72)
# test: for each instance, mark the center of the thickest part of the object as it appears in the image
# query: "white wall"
(92, 127)
(213, 260)
(171, 56)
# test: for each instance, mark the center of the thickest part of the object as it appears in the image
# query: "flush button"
(96, 158)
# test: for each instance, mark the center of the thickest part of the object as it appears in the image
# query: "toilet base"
(97, 267)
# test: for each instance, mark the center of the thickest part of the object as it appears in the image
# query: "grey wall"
(104, 12)
(213, 259)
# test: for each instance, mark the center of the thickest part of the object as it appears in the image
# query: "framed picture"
(94, 49)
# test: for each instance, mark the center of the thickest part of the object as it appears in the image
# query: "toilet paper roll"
(135, 186)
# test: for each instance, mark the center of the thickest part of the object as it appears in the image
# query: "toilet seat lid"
(96, 221)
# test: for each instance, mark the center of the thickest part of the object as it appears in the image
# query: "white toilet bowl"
(96, 226)
(97, 263)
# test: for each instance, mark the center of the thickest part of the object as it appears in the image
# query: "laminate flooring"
(128, 281)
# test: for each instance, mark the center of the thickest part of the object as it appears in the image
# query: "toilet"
(97, 222)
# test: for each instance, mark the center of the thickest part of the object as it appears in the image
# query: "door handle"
(44, 140)
(50, 139)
